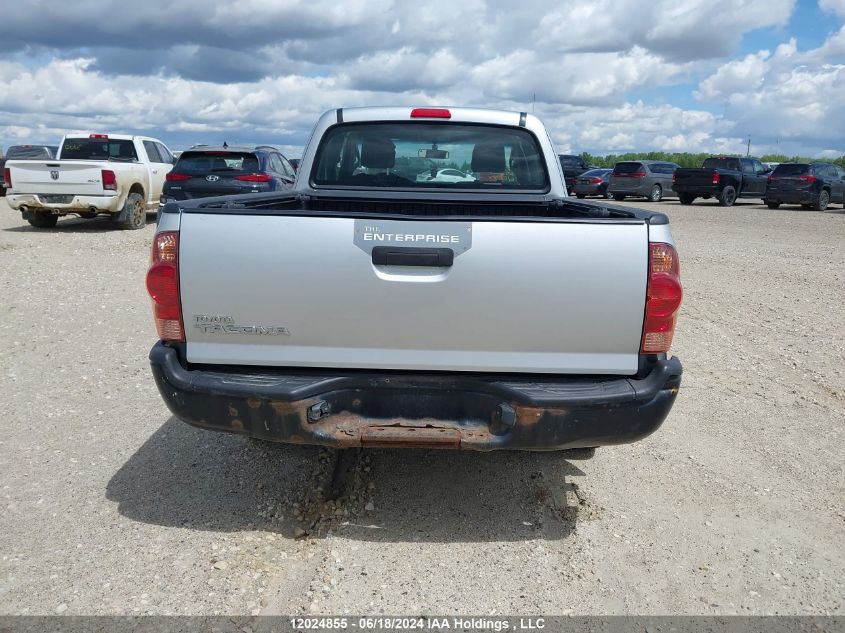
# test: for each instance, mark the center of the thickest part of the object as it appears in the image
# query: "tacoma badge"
(221, 324)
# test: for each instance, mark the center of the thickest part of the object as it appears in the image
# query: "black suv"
(204, 171)
(812, 185)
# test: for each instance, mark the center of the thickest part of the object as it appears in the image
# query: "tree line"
(688, 159)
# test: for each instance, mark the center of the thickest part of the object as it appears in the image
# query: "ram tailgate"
(66, 178)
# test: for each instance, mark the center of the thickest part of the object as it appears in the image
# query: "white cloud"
(574, 78)
(833, 6)
(695, 29)
(630, 127)
(789, 96)
(738, 76)
(263, 70)
(69, 93)
(832, 51)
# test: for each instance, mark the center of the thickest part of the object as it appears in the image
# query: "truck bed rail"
(476, 206)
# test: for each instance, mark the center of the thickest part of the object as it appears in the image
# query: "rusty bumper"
(348, 408)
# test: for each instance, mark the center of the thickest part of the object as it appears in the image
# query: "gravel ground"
(111, 506)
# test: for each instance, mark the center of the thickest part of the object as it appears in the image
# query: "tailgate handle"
(412, 256)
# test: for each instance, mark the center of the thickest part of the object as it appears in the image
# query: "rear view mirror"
(435, 154)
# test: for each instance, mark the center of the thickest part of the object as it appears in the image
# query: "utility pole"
(533, 101)
(748, 150)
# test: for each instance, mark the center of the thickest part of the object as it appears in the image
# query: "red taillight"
(163, 286)
(430, 113)
(770, 179)
(255, 177)
(674, 177)
(595, 180)
(171, 176)
(663, 298)
(716, 177)
(103, 136)
(7, 178)
(109, 180)
(810, 179)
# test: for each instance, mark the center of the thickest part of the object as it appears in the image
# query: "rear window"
(422, 155)
(99, 149)
(595, 173)
(663, 168)
(628, 168)
(721, 163)
(569, 162)
(217, 162)
(785, 170)
(28, 153)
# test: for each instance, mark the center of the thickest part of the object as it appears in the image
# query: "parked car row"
(130, 176)
(813, 185)
(725, 178)
(127, 177)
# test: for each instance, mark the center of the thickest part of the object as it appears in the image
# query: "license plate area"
(56, 198)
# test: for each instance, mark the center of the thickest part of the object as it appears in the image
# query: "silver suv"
(650, 179)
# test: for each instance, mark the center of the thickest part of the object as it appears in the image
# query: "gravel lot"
(111, 506)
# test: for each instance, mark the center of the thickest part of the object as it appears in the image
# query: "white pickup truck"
(92, 173)
(368, 308)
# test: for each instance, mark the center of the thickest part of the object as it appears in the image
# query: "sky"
(605, 76)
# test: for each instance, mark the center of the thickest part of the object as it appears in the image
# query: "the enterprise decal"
(371, 233)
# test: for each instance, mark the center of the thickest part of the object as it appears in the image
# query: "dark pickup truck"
(725, 178)
(573, 166)
(24, 152)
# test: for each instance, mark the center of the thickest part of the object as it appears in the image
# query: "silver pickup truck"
(370, 307)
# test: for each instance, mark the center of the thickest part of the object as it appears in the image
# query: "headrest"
(488, 157)
(378, 153)
(527, 169)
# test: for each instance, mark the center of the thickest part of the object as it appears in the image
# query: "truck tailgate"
(693, 176)
(82, 178)
(291, 290)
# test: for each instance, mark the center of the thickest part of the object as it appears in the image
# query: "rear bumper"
(795, 197)
(630, 190)
(170, 194)
(77, 204)
(696, 190)
(394, 409)
(588, 190)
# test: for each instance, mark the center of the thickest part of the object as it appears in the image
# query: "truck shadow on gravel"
(185, 477)
(700, 202)
(799, 209)
(100, 224)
